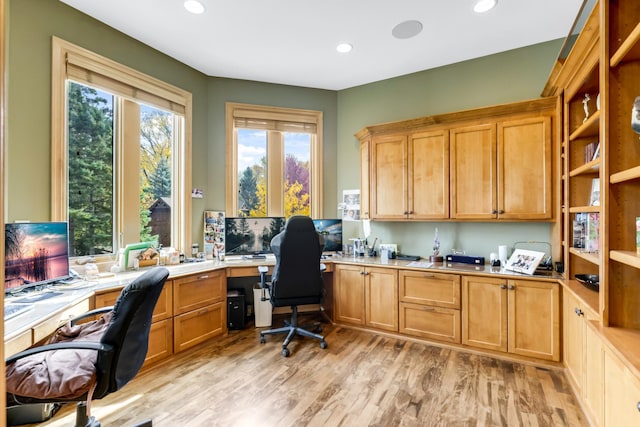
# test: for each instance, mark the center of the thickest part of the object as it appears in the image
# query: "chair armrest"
(90, 313)
(70, 345)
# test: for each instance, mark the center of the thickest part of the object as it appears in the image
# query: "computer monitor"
(251, 235)
(331, 231)
(35, 253)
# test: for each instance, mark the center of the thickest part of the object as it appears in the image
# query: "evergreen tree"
(90, 171)
(248, 193)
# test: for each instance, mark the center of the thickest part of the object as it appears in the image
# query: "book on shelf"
(592, 234)
(638, 235)
(591, 151)
(579, 230)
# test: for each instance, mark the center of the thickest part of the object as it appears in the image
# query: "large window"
(119, 160)
(274, 165)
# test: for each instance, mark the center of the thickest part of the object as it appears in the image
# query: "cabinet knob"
(578, 311)
(362, 273)
(511, 287)
(503, 286)
(638, 406)
(500, 211)
(494, 212)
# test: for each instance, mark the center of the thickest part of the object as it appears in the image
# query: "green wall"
(510, 76)
(501, 78)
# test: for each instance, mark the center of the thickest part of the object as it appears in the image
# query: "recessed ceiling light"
(194, 6)
(344, 47)
(484, 5)
(407, 29)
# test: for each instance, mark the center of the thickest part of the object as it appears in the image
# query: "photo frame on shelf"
(524, 261)
(594, 198)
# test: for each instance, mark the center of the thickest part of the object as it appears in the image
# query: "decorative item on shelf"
(635, 115)
(436, 257)
(590, 281)
(585, 103)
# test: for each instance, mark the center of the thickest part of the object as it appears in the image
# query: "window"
(119, 150)
(274, 161)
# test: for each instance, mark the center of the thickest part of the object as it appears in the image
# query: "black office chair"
(86, 361)
(297, 276)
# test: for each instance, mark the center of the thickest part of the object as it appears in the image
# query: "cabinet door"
(524, 169)
(389, 177)
(473, 172)
(428, 180)
(593, 389)
(621, 394)
(365, 173)
(484, 312)
(573, 338)
(381, 298)
(534, 319)
(349, 294)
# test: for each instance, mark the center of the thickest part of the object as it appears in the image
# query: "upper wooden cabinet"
(493, 163)
(502, 170)
(410, 176)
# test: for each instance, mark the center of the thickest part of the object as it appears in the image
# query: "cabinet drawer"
(436, 323)
(442, 290)
(46, 328)
(199, 290)
(164, 306)
(18, 343)
(160, 342)
(199, 325)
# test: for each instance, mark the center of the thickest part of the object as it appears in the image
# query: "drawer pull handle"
(428, 309)
(428, 276)
(206, 276)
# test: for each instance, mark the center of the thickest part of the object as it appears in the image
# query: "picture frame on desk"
(524, 261)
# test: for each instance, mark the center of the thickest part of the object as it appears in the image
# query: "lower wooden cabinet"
(582, 353)
(516, 316)
(199, 307)
(621, 393)
(430, 305)
(366, 296)
(161, 332)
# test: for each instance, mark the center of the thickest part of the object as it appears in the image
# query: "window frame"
(275, 168)
(144, 89)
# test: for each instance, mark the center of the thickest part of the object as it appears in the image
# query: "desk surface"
(235, 267)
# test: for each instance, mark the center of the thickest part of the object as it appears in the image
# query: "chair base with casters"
(292, 329)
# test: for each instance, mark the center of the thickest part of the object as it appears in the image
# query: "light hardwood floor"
(361, 379)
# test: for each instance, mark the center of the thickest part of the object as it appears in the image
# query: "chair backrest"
(128, 331)
(296, 277)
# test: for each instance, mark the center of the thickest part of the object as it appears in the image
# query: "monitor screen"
(251, 235)
(331, 231)
(35, 253)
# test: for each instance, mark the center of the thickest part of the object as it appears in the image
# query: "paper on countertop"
(420, 264)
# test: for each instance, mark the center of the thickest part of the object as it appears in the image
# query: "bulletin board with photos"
(214, 244)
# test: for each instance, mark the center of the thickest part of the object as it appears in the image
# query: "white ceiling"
(293, 41)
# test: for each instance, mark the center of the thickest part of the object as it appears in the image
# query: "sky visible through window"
(251, 147)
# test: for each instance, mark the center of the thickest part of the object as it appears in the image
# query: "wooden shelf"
(629, 50)
(592, 257)
(586, 209)
(588, 128)
(593, 167)
(625, 175)
(626, 257)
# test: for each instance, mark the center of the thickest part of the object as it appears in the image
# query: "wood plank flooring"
(361, 379)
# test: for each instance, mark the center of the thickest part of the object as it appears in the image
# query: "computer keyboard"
(12, 310)
(408, 257)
